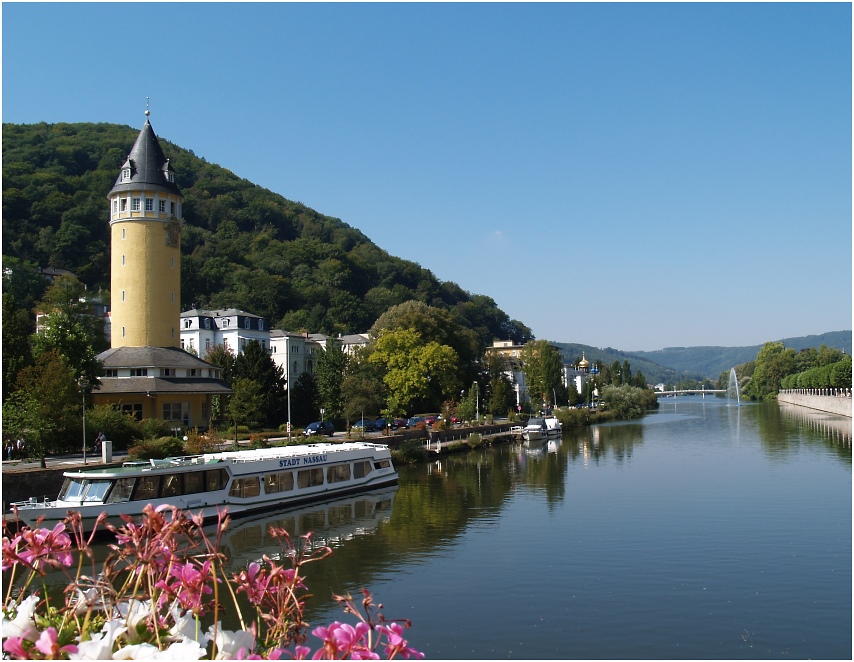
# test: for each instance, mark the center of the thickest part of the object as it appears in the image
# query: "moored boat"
(242, 481)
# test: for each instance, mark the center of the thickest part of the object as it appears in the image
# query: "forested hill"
(242, 245)
(673, 364)
(711, 361)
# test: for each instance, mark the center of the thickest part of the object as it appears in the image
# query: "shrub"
(151, 428)
(475, 440)
(119, 427)
(410, 452)
(157, 449)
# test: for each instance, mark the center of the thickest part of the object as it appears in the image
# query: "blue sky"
(635, 175)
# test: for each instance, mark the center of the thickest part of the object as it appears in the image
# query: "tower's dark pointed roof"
(148, 165)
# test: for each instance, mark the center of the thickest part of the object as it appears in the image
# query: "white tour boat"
(242, 481)
(542, 428)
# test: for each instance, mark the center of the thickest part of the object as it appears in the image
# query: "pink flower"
(15, 646)
(190, 585)
(46, 548)
(254, 582)
(49, 645)
(10, 552)
(341, 640)
(397, 645)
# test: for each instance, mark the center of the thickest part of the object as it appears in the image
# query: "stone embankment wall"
(833, 401)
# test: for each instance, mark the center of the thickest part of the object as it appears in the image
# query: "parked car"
(401, 423)
(415, 420)
(383, 423)
(319, 428)
(430, 420)
(366, 425)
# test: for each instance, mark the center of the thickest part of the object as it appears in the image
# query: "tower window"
(115, 206)
(247, 323)
(124, 204)
(207, 323)
(188, 323)
(170, 177)
(173, 297)
(123, 233)
(135, 204)
(260, 325)
(149, 204)
(123, 260)
(173, 262)
(125, 174)
(123, 298)
(162, 206)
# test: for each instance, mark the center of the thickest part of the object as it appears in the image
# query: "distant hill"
(674, 363)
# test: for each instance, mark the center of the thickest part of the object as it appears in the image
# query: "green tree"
(331, 365)
(74, 340)
(245, 405)
(627, 402)
(543, 369)
(362, 389)
(46, 406)
(223, 358)
(304, 400)
(16, 342)
(773, 363)
(256, 364)
(416, 373)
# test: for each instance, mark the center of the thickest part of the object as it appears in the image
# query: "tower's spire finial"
(147, 111)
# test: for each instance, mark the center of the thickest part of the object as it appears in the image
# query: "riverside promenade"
(831, 400)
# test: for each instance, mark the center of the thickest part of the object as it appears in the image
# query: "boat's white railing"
(237, 457)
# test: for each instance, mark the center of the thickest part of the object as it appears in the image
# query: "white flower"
(186, 627)
(134, 613)
(136, 652)
(86, 600)
(181, 650)
(23, 624)
(229, 643)
(100, 646)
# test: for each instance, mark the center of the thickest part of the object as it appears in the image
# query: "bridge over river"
(691, 391)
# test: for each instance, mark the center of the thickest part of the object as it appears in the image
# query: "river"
(703, 530)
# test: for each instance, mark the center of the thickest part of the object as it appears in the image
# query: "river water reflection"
(702, 531)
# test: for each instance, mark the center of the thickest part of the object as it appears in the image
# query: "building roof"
(148, 165)
(222, 312)
(150, 357)
(160, 385)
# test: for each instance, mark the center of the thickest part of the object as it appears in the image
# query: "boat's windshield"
(75, 489)
(70, 489)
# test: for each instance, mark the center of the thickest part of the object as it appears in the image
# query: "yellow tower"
(145, 226)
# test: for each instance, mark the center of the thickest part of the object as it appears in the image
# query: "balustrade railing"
(826, 392)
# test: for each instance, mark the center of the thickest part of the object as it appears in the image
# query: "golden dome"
(583, 363)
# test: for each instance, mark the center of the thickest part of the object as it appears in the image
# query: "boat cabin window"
(121, 490)
(337, 473)
(361, 468)
(382, 464)
(171, 485)
(279, 482)
(194, 482)
(244, 488)
(147, 488)
(71, 489)
(309, 477)
(96, 490)
(216, 479)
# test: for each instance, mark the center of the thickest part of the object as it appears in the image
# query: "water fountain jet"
(732, 388)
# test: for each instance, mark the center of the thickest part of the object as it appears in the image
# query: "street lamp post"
(84, 383)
